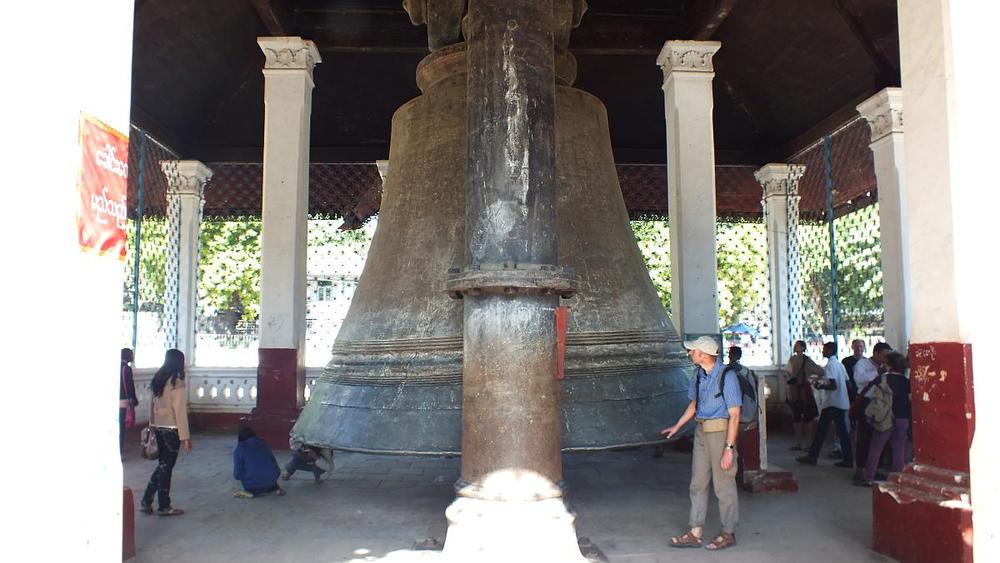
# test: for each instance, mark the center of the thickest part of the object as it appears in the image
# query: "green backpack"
(879, 410)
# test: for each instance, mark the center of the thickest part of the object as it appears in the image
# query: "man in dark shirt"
(858, 346)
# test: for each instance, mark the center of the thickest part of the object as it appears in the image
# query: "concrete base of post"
(772, 480)
(495, 530)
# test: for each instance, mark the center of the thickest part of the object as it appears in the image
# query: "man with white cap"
(714, 460)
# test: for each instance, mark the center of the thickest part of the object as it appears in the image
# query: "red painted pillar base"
(748, 446)
(128, 524)
(750, 476)
(923, 513)
(280, 381)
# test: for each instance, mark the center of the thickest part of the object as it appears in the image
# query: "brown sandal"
(687, 540)
(723, 541)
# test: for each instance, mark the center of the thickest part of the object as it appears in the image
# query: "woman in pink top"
(170, 422)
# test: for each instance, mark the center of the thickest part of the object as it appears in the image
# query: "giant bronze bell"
(394, 382)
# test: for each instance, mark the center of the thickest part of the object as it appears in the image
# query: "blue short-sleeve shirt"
(709, 405)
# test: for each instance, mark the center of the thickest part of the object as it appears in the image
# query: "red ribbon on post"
(562, 317)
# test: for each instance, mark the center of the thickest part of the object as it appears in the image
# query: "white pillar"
(687, 92)
(288, 85)
(186, 181)
(63, 306)
(884, 113)
(950, 202)
(781, 216)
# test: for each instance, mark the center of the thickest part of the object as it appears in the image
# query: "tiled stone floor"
(627, 503)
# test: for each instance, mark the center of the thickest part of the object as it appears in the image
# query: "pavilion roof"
(788, 72)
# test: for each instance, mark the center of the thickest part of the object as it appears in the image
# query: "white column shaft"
(780, 183)
(884, 113)
(949, 93)
(888, 153)
(688, 106)
(187, 286)
(287, 108)
(776, 215)
(186, 181)
(929, 101)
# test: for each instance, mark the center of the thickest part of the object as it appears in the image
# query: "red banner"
(103, 186)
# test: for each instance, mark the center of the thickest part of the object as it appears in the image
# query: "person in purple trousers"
(898, 435)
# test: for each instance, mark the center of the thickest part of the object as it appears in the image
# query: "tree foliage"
(653, 238)
(741, 267)
(152, 237)
(743, 284)
(859, 274)
(229, 268)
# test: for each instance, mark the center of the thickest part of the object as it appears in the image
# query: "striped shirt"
(709, 404)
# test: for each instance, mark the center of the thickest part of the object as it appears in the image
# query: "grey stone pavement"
(627, 503)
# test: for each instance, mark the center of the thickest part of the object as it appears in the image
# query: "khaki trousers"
(705, 468)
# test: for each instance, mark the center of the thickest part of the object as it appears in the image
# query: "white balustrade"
(231, 390)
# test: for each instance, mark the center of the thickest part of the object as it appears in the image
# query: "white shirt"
(864, 372)
(836, 372)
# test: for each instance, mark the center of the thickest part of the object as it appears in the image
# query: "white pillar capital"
(693, 57)
(883, 112)
(289, 53)
(186, 177)
(780, 179)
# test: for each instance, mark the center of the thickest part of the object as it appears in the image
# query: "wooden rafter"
(829, 124)
(883, 65)
(711, 18)
(275, 15)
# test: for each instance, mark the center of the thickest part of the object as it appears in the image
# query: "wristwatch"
(730, 446)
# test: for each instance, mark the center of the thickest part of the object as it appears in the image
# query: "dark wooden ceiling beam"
(828, 125)
(355, 29)
(235, 88)
(886, 71)
(371, 153)
(153, 126)
(708, 15)
(275, 15)
(353, 154)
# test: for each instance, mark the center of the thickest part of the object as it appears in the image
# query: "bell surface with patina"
(394, 383)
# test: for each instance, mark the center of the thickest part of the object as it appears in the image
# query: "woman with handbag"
(801, 371)
(127, 399)
(169, 422)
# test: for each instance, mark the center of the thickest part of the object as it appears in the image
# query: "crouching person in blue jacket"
(254, 466)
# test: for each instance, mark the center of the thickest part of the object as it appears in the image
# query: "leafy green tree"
(741, 261)
(741, 267)
(653, 238)
(859, 274)
(229, 268)
(152, 264)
